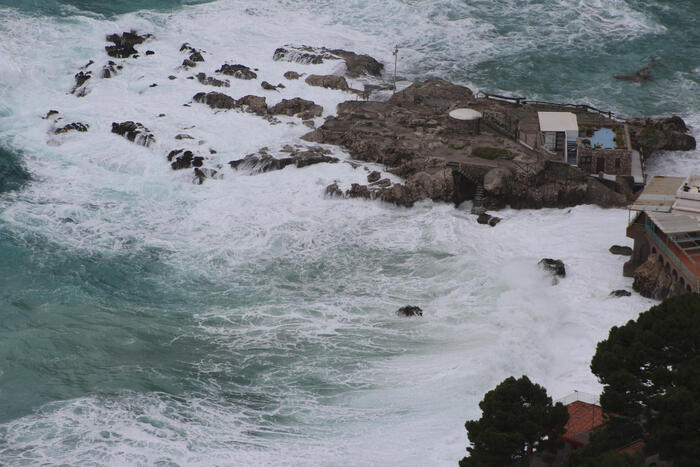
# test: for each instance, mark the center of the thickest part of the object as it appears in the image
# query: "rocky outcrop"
(652, 280)
(218, 100)
(328, 81)
(135, 132)
(555, 267)
(410, 133)
(183, 159)
(670, 134)
(80, 79)
(620, 250)
(124, 44)
(409, 311)
(263, 161)
(292, 75)
(75, 126)
(211, 81)
(640, 76)
(356, 65)
(237, 71)
(194, 57)
(303, 108)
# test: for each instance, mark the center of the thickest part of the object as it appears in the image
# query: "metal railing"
(523, 100)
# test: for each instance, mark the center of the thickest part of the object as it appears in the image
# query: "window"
(618, 163)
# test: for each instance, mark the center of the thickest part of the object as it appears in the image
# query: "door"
(600, 164)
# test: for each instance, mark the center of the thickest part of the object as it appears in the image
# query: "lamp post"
(396, 61)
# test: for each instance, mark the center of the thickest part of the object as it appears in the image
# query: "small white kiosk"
(559, 133)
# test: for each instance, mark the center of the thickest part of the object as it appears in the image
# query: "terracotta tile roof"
(582, 418)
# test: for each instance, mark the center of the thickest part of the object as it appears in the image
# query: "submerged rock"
(292, 75)
(620, 250)
(409, 311)
(620, 293)
(553, 266)
(80, 79)
(135, 132)
(216, 100)
(211, 81)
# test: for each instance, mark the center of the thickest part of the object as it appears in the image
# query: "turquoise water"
(249, 321)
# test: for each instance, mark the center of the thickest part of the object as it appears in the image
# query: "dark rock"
(75, 126)
(109, 70)
(85, 67)
(187, 63)
(80, 79)
(373, 176)
(202, 174)
(150, 52)
(124, 45)
(328, 81)
(196, 56)
(135, 132)
(297, 106)
(182, 159)
(183, 136)
(211, 81)
(640, 76)
(553, 266)
(358, 65)
(409, 311)
(620, 293)
(267, 86)
(281, 86)
(304, 54)
(172, 77)
(153, 85)
(237, 71)
(334, 190)
(216, 100)
(621, 250)
(49, 114)
(494, 220)
(292, 75)
(483, 218)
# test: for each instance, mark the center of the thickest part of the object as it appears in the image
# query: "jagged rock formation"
(75, 126)
(356, 65)
(135, 132)
(182, 159)
(263, 161)
(328, 81)
(211, 81)
(124, 44)
(409, 311)
(195, 55)
(218, 100)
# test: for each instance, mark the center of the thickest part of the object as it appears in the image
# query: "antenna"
(396, 61)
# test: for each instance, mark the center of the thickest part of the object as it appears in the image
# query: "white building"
(559, 133)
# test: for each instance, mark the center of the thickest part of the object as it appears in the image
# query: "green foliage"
(491, 153)
(650, 369)
(604, 444)
(518, 417)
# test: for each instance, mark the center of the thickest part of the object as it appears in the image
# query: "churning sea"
(145, 320)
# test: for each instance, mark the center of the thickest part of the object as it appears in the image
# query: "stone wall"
(616, 161)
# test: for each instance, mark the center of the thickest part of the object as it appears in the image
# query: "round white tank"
(465, 121)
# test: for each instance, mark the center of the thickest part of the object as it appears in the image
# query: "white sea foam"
(303, 288)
